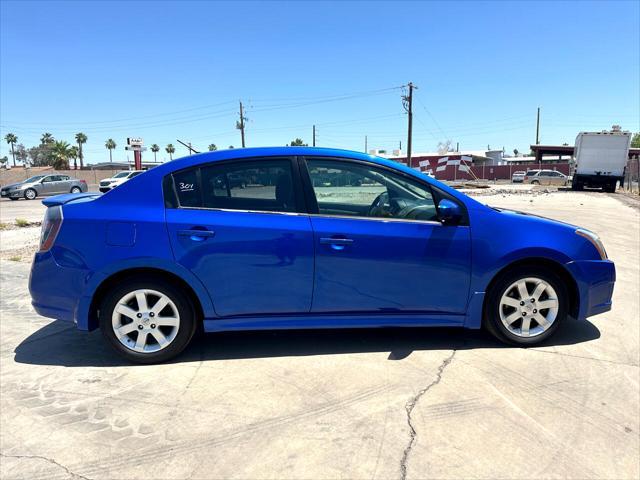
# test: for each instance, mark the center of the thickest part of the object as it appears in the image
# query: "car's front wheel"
(526, 305)
(147, 320)
(76, 190)
(30, 194)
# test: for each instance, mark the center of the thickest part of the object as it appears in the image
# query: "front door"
(239, 228)
(379, 244)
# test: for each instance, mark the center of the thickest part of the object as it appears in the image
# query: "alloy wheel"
(528, 307)
(145, 321)
(30, 194)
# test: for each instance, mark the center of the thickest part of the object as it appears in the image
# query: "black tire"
(183, 303)
(76, 190)
(535, 182)
(610, 188)
(30, 191)
(492, 320)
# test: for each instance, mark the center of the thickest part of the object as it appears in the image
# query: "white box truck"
(601, 159)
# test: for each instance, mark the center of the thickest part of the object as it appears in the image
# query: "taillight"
(50, 227)
(83, 181)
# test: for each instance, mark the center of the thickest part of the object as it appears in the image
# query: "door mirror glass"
(449, 212)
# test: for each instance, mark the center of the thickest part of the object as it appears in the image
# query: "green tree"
(635, 140)
(4, 160)
(212, 147)
(61, 153)
(298, 143)
(515, 152)
(22, 155)
(155, 149)
(47, 139)
(170, 149)
(74, 152)
(230, 147)
(81, 139)
(11, 140)
(110, 145)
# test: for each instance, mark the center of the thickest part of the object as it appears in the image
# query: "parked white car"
(518, 177)
(118, 179)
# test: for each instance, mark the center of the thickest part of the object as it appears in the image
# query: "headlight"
(595, 241)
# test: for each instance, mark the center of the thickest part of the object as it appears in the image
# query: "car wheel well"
(120, 276)
(555, 267)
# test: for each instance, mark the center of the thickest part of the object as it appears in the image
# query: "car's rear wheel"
(76, 190)
(526, 305)
(30, 194)
(147, 320)
(535, 182)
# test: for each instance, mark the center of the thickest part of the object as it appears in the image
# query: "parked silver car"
(546, 177)
(43, 185)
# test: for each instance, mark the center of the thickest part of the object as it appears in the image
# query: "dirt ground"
(375, 404)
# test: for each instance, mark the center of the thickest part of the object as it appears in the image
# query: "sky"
(177, 70)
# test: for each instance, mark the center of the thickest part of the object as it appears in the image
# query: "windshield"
(34, 179)
(121, 174)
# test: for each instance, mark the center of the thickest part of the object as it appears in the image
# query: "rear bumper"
(595, 280)
(56, 290)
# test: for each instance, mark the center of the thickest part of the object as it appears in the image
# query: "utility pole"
(407, 101)
(538, 128)
(400, 146)
(240, 124)
(314, 136)
(365, 144)
(457, 146)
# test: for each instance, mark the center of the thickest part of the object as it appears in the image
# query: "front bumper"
(12, 194)
(595, 280)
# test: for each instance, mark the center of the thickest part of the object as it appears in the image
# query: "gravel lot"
(432, 403)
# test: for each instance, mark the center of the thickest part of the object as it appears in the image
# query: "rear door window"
(263, 185)
(253, 185)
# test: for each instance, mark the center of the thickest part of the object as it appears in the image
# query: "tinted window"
(50, 178)
(356, 189)
(265, 185)
(135, 174)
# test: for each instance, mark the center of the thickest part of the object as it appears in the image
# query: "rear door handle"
(196, 235)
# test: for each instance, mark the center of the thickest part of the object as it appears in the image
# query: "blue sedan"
(290, 238)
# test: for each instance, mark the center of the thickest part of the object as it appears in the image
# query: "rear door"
(379, 245)
(249, 242)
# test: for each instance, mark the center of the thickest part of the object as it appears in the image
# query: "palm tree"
(47, 138)
(80, 139)
(170, 150)
(74, 152)
(11, 140)
(110, 144)
(61, 153)
(155, 149)
(212, 147)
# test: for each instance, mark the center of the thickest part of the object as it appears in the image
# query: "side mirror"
(450, 212)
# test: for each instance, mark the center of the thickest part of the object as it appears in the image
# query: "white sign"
(134, 142)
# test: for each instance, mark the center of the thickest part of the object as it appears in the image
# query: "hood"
(11, 185)
(534, 217)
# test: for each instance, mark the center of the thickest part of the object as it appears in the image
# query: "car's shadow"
(59, 343)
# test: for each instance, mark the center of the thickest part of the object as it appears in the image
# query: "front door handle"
(196, 235)
(336, 243)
